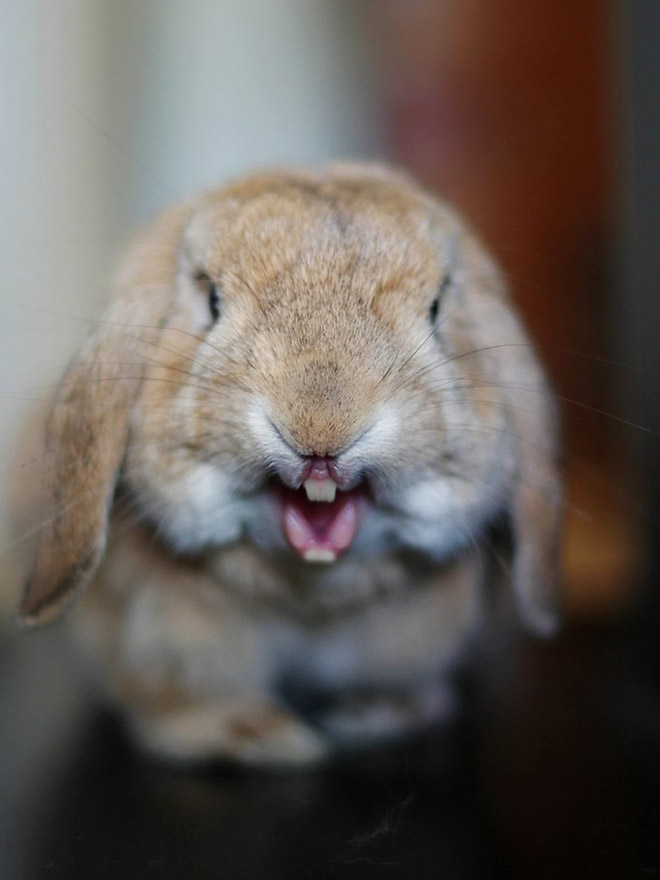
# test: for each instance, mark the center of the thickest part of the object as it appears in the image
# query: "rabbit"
(279, 468)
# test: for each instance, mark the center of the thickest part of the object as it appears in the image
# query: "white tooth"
(320, 490)
(320, 554)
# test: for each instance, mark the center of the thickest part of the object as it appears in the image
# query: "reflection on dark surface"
(353, 821)
(545, 777)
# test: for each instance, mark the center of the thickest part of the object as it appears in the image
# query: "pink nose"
(318, 468)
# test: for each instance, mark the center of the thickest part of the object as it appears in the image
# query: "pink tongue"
(319, 531)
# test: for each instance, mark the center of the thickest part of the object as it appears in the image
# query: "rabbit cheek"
(437, 522)
(191, 504)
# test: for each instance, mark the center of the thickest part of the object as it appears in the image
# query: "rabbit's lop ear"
(536, 513)
(536, 503)
(88, 427)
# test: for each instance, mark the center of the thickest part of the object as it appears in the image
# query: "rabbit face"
(322, 398)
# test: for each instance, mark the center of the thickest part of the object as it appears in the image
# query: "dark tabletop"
(554, 771)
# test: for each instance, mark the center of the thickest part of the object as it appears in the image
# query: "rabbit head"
(323, 362)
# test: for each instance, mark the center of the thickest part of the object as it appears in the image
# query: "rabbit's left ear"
(85, 444)
(89, 424)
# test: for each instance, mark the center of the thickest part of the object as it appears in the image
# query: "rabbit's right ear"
(88, 428)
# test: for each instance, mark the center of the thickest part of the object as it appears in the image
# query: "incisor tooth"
(320, 490)
(320, 554)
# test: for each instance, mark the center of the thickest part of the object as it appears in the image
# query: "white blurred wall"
(111, 109)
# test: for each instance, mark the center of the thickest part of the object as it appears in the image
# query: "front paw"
(245, 733)
(382, 716)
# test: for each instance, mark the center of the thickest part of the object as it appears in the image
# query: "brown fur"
(326, 278)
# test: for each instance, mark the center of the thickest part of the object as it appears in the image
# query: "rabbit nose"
(320, 436)
(320, 408)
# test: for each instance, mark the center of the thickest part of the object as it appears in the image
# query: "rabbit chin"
(203, 511)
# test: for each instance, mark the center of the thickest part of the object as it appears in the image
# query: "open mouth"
(319, 520)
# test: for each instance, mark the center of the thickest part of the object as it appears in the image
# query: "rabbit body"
(277, 462)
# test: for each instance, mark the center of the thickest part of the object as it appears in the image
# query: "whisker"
(421, 371)
(51, 518)
(156, 343)
(569, 400)
(407, 360)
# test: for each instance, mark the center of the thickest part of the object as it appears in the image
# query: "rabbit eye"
(433, 311)
(214, 302)
(205, 283)
(435, 305)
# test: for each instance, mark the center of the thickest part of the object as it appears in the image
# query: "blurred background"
(539, 120)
